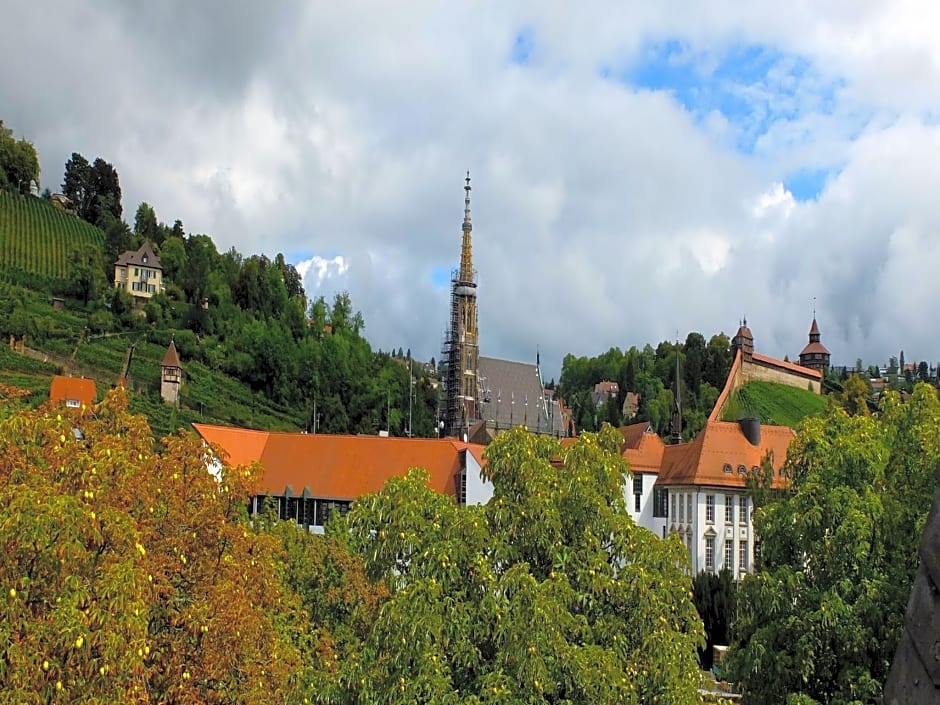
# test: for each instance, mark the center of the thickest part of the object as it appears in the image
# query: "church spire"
(676, 406)
(466, 254)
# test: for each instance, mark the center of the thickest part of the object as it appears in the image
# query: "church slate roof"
(507, 386)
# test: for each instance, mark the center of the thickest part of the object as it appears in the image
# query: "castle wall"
(752, 371)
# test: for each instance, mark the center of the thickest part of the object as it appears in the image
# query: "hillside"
(775, 404)
(36, 239)
(207, 395)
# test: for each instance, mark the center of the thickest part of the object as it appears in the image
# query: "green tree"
(715, 598)
(717, 360)
(855, 395)
(823, 615)
(146, 226)
(173, 258)
(19, 163)
(85, 277)
(548, 594)
(695, 359)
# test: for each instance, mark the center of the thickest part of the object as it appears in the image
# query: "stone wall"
(752, 371)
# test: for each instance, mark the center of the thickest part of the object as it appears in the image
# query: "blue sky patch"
(440, 277)
(522, 46)
(807, 184)
(752, 85)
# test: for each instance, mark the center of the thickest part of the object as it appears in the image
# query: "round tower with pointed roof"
(815, 355)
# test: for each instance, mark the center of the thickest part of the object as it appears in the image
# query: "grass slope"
(36, 238)
(776, 404)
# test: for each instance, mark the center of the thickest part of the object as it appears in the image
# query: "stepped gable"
(716, 456)
(339, 466)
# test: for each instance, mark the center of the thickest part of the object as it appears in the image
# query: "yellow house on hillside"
(139, 273)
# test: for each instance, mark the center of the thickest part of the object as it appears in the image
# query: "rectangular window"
(688, 506)
(136, 272)
(326, 508)
(742, 510)
(462, 487)
(710, 508)
(729, 509)
(660, 502)
(681, 508)
(637, 506)
(638, 484)
(729, 554)
(742, 554)
(710, 555)
(673, 514)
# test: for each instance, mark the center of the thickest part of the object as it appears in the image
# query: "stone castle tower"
(815, 355)
(462, 343)
(171, 376)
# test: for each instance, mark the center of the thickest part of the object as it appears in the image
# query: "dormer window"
(742, 470)
(727, 467)
(145, 259)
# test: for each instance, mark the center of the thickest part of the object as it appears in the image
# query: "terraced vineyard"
(36, 237)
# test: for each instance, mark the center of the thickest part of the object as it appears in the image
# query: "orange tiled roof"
(642, 447)
(339, 467)
(78, 389)
(789, 366)
(703, 460)
(814, 348)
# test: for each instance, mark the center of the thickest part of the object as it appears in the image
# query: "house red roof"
(716, 455)
(339, 467)
(642, 447)
(172, 358)
(74, 391)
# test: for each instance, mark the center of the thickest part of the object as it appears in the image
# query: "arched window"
(727, 467)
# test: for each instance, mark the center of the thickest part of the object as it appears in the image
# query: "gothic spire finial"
(466, 207)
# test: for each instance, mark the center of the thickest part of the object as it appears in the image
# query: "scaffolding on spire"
(461, 347)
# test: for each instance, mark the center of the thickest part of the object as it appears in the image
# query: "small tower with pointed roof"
(815, 355)
(171, 376)
(743, 340)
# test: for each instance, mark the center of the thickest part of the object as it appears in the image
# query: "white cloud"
(602, 215)
(316, 271)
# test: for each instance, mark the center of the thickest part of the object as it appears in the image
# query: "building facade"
(139, 273)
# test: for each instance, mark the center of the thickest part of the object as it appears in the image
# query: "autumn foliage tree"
(130, 574)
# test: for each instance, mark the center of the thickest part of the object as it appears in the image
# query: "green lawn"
(775, 404)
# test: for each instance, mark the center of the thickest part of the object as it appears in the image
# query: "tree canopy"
(129, 574)
(19, 162)
(838, 552)
(548, 594)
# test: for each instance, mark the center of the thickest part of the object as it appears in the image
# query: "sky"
(638, 169)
